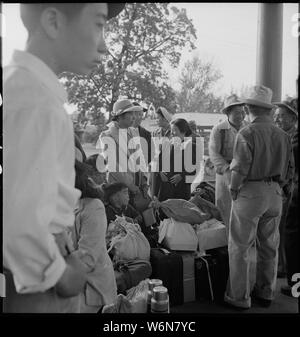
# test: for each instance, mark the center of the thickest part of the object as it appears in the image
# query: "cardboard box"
(211, 234)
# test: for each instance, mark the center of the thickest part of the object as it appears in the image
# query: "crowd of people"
(56, 213)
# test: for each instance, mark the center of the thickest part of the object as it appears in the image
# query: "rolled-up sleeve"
(31, 187)
(242, 156)
(214, 148)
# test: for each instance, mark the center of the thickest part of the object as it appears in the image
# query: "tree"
(139, 40)
(196, 80)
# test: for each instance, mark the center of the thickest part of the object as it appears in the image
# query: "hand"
(73, 280)
(75, 262)
(130, 220)
(154, 203)
(234, 194)
(64, 243)
(176, 179)
(163, 177)
(144, 189)
(227, 176)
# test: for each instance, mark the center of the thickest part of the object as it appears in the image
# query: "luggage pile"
(191, 258)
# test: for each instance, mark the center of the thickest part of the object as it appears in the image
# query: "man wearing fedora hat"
(42, 274)
(220, 147)
(262, 164)
(121, 131)
(285, 117)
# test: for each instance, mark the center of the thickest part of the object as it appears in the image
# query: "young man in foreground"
(39, 154)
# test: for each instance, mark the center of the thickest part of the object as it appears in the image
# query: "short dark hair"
(30, 12)
(183, 126)
(257, 110)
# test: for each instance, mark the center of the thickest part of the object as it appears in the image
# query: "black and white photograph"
(150, 162)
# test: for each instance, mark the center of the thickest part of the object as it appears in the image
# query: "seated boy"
(117, 199)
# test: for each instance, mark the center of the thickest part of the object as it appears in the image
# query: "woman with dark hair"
(88, 235)
(176, 184)
(160, 137)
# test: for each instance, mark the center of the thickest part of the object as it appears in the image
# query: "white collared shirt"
(39, 175)
(221, 161)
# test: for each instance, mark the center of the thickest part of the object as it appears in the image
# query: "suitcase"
(188, 259)
(205, 275)
(129, 274)
(221, 254)
(211, 274)
(168, 267)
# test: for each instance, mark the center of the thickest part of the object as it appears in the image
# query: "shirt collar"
(262, 119)
(292, 131)
(41, 70)
(227, 125)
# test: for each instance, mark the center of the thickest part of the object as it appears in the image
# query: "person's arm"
(214, 147)
(30, 188)
(91, 241)
(134, 214)
(73, 279)
(240, 165)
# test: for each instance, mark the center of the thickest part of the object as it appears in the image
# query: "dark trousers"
(282, 229)
(292, 243)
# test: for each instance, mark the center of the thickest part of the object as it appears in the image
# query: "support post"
(269, 47)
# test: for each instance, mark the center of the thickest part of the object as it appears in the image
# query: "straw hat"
(289, 105)
(124, 105)
(165, 113)
(258, 95)
(230, 101)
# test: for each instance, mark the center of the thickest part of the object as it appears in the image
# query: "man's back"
(268, 152)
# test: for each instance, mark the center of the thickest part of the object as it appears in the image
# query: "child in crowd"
(117, 198)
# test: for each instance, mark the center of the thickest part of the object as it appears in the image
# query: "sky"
(226, 35)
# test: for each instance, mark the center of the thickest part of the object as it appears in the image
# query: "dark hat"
(114, 9)
(289, 104)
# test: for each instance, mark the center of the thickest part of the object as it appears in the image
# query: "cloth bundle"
(177, 235)
(206, 207)
(183, 211)
(126, 241)
(134, 302)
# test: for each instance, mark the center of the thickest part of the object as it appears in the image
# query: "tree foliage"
(196, 80)
(139, 41)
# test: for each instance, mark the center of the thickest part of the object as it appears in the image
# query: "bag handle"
(209, 278)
